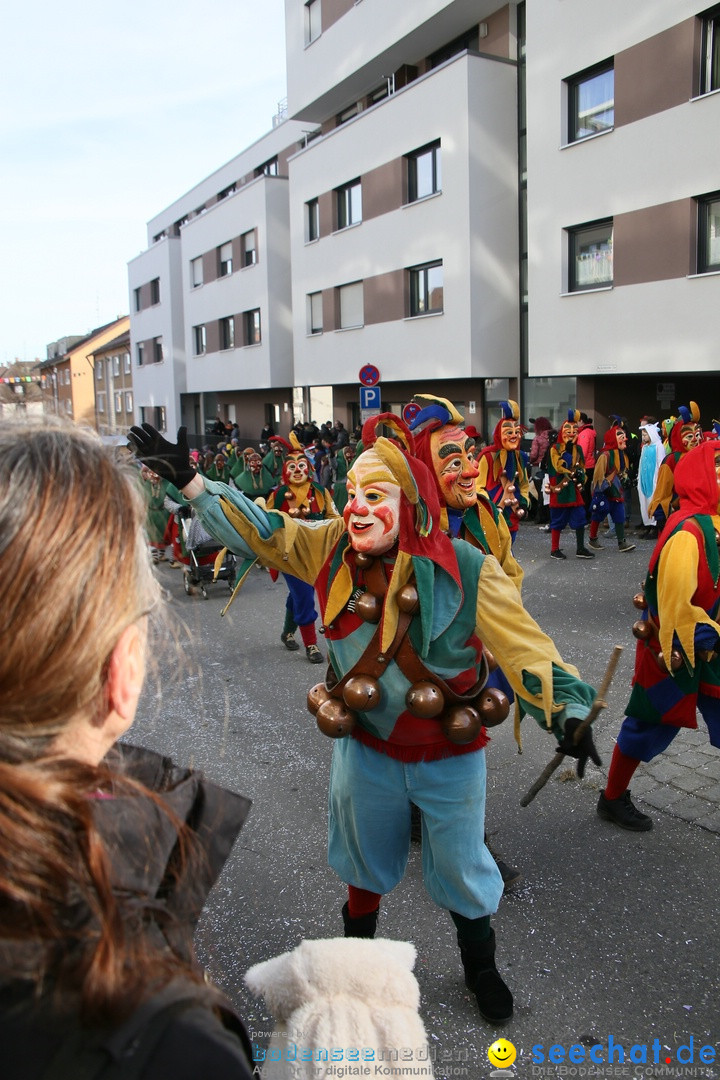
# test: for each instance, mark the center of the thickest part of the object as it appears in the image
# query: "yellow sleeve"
(663, 493)
(516, 641)
(499, 541)
(677, 582)
(600, 470)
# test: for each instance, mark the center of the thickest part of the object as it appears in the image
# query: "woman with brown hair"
(106, 851)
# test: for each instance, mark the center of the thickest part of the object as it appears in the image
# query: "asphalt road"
(609, 940)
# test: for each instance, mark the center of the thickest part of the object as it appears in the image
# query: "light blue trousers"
(369, 825)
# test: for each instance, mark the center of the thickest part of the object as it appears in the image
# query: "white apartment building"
(482, 201)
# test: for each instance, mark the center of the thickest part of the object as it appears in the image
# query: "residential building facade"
(481, 200)
(114, 411)
(69, 372)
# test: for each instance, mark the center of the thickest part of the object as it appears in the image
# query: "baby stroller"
(203, 550)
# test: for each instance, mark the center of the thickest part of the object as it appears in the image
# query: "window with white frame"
(349, 204)
(126, 359)
(313, 21)
(351, 312)
(268, 168)
(710, 56)
(314, 313)
(99, 371)
(425, 289)
(251, 324)
(128, 401)
(118, 403)
(424, 172)
(708, 260)
(140, 353)
(225, 265)
(591, 101)
(227, 333)
(196, 272)
(199, 339)
(68, 406)
(101, 403)
(116, 365)
(312, 220)
(590, 256)
(248, 245)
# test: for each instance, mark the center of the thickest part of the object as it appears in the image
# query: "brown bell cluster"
(647, 630)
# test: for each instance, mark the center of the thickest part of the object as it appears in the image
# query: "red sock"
(362, 902)
(594, 529)
(555, 539)
(308, 635)
(621, 772)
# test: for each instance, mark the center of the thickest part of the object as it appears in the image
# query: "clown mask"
(690, 435)
(372, 513)
(621, 439)
(296, 469)
(455, 467)
(255, 463)
(511, 434)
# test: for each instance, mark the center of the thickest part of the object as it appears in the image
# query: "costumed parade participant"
(685, 433)
(108, 850)
(255, 480)
(155, 490)
(608, 488)
(503, 468)
(303, 499)
(406, 612)
(677, 667)
(467, 512)
(444, 445)
(651, 458)
(343, 462)
(566, 473)
(274, 458)
(241, 462)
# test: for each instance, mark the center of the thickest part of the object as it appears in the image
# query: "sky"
(111, 111)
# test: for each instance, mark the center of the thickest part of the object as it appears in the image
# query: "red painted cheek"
(386, 516)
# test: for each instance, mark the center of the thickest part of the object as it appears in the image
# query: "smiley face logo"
(502, 1054)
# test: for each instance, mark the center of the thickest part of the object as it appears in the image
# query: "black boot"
(494, 1000)
(364, 926)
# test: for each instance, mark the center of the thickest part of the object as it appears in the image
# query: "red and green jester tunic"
(682, 591)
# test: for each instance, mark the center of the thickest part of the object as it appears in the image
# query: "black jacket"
(176, 1033)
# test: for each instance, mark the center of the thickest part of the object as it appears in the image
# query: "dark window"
(155, 415)
(137, 295)
(313, 21)
(251, 320)
(268, 168)
(710, 71)
(140, 353)
(709, 233)
(199, 339)
(426, 288)
(590, 256)
(157, 350)
(346, 114)
(312, 220)
(229, 190)
(227, 333)
(591, 101)
(155, 291)
(424, 172)
(315, 313)
(349, 204)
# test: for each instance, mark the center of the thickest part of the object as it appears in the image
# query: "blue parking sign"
(370, 397)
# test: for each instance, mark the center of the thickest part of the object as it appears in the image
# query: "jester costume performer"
(503, 468)
(608, 487)
(406, 612)
(343, 462)
(566, 476)
(305, 500)
(275, 457)
(255, 480)
(677, 667)
(685, 433)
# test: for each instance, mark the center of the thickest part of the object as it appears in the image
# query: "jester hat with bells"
(422, 547)
(436, 412)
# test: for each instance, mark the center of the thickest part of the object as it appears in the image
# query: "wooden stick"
(597, 706)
